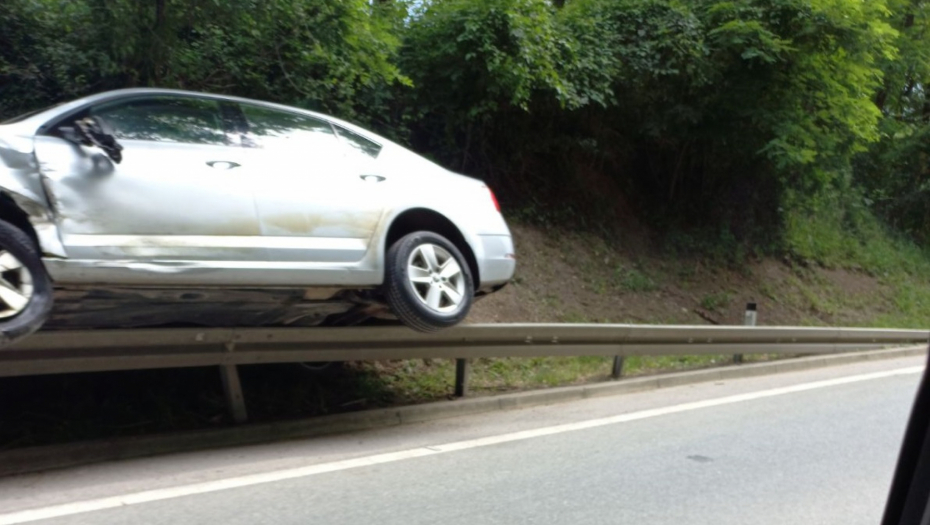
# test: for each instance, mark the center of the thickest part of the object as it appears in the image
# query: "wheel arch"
(424, 219)
(12, 213)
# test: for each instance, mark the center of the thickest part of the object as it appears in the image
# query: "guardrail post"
(617, 371)
(232, 389)
(749, 320)
(462, 371)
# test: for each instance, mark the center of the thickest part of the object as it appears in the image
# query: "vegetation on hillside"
(724, 123)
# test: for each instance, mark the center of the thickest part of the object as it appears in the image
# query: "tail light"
(497, 205)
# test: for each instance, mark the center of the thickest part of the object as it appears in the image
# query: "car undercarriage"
(136, 307)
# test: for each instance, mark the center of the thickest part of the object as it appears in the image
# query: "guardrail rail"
(53, 352)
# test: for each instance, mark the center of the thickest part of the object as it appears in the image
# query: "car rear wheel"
(428, 284)
(25, 288)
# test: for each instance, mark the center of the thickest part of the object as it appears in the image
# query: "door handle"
(371, 178)
(222, 164)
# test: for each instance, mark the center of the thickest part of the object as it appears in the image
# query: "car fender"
(21, 180)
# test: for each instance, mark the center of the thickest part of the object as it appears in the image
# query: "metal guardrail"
(54, 352)
(99, 350)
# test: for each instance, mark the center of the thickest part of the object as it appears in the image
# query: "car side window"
(277, 130)
(358, 143)
(165, 119)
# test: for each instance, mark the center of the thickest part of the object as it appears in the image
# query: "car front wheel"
(25, 288)
(428, 284)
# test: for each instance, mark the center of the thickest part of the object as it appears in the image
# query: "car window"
(165, 119)
(358, 143)
(277, 130)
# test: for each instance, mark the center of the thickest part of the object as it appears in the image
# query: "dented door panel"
(158, 204)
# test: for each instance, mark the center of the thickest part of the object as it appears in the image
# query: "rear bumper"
(497, 262)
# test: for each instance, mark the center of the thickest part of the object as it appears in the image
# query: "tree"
(333, 55)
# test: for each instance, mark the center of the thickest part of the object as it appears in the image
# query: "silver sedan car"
(145, 207)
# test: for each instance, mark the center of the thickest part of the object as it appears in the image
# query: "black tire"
(31, 318)
(404, 299)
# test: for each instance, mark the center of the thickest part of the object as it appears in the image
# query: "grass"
(644, 365)
(716, 301)
(836, 232)
(769, 291)
(812, 300)
(495, 375)
(575, 317)
(506, 374)
(634, 280)
(622, 279)
(910, 304)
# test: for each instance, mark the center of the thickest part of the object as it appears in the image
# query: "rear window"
(278, 130)
(358, 143)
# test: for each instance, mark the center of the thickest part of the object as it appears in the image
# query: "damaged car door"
(315, 206)
(176, 195)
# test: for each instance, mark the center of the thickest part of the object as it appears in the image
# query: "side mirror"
(93, 131)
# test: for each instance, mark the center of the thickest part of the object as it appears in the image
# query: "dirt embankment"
(564, 277)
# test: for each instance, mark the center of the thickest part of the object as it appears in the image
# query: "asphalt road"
(815, 447)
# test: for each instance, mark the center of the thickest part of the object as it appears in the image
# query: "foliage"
(333, 55)
(49, 52)
(726, 120)
(836, 228)
(723, 97)
(482, 56)
(895, 173)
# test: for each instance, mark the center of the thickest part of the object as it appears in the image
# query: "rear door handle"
(222, 164)
(371, 178)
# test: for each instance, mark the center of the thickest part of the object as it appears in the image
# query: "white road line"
(311, 470)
